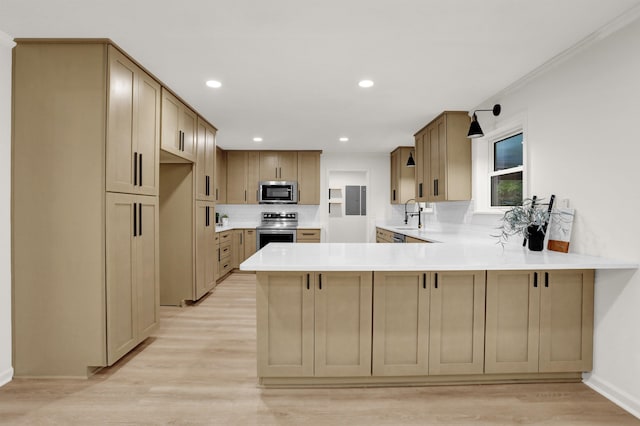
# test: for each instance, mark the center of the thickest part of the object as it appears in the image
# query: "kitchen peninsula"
(393, 314)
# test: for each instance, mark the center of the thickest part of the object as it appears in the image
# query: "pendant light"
(410, 161)
(475, 131)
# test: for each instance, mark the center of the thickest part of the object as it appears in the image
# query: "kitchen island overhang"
(383, 314)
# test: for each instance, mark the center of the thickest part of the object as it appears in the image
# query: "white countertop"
(446, 233)
(417, 257)
(253, 225)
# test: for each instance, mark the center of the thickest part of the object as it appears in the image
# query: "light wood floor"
(200, 369)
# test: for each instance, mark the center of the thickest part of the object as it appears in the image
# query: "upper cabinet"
(402, 176)
(242, 177)
(443, 159)
(178, 135)
(220, 192)
(309, 177)
(205, 161)
(133, 127)
(278, 165)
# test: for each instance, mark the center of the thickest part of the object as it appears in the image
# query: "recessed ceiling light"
(344, 139)
(365, 83)
(257, 139)
(213, 83)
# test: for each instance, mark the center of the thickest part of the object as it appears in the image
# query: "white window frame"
(484, 152)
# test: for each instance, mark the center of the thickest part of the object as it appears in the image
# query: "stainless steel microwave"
(278, 192)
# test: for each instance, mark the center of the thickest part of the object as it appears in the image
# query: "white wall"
(582, 120)
(6, 371)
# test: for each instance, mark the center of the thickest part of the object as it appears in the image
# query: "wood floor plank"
(200, 369)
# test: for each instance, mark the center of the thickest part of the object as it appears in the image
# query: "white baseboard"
(6, 376)
(619, 397)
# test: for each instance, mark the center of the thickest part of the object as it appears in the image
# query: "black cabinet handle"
(435, 187)
(394, 195)
(535, 279)
(424, 281)
(135, 220)
(546, 279)
(276, 172)
(245, 195)
(420, 190)
(135, 169)
(206, 216)
(140, 219)
(218, 255)
(436, 280)
(241, 236)
(319, 281)
(216, 194)
(140, 169)
(308, 287)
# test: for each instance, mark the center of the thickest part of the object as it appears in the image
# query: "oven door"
(266, 236)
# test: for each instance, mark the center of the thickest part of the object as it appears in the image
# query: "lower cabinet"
(456, 322)
(400, 324)
(308, 235)
(539, 321)
(132, 255)
(314, 324)
(249, 242)
(205, 279)
(428, 323)
(383, 236)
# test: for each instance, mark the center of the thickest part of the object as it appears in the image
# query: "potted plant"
(529, 220)
(225, 220)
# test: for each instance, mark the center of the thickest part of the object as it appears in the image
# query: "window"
(507, 172)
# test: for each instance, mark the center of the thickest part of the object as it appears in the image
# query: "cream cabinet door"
(512, 322)
(147, 131)
(205, 162)
(308, 178)
(249, 242)
(188, 125)
(178, 129)
(148, 267)
(288, 165)
(252, 176)
(121, 233)
(566, 321)
(220, 193)
(236, 177)
(121, 144)
(400, 324)
(132, 254)
(456, 329)
(285, 306)
(343, 324)
(269, 165)
(204, 240)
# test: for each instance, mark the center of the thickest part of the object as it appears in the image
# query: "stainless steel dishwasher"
(398, 238)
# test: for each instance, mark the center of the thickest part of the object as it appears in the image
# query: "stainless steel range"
(276, 228)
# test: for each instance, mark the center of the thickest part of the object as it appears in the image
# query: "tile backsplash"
(250, 213)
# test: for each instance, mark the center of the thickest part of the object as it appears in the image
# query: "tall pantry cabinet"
(85, 179)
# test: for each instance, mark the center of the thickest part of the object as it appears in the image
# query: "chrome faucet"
(407, 215)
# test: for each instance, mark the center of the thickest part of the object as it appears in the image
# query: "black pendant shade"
(410, 161)
(475, 131)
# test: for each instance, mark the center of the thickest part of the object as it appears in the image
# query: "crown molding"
(603, 32)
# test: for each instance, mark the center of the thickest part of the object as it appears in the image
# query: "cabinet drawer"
(225, 266)
(225, 250)
(414, 240)
(224, 236)
(308, 235)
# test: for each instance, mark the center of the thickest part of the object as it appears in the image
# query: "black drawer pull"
(535, 279)
(140, 169)
(546, 279)
(436, 280)
(308, 282)
(320, 282)
(424, 281)
(135, 220)
(135, 169)
(140, 219)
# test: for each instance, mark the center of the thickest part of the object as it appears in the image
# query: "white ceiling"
(290, 68)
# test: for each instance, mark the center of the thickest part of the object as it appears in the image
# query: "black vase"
(536, 238)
